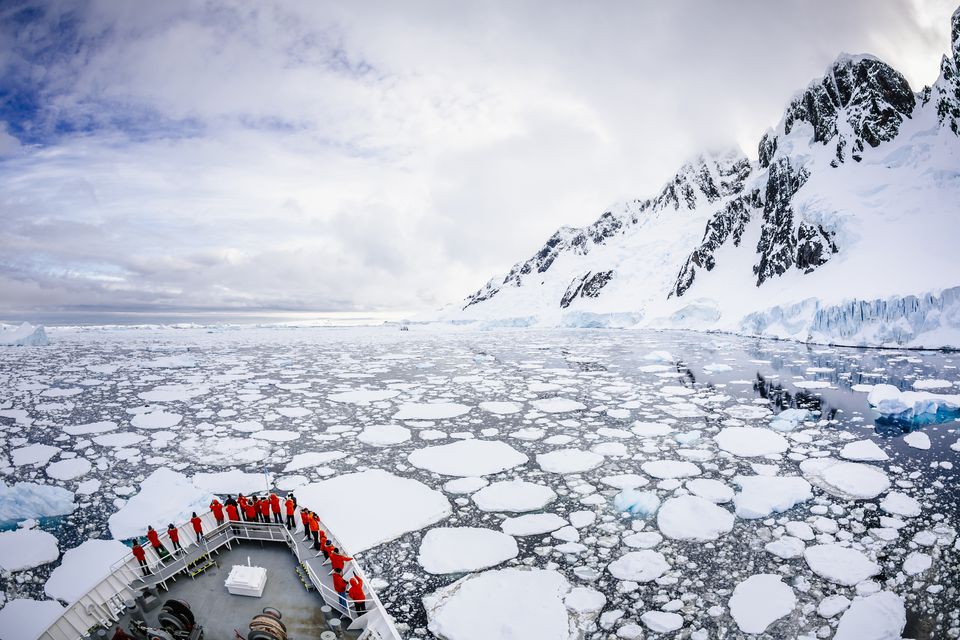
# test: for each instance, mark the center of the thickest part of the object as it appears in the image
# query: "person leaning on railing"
(357, 595)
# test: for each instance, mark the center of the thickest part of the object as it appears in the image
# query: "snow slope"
(842, 231)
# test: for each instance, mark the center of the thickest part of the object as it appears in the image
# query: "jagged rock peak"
(955, 35)
(705, 178)
(860, 100)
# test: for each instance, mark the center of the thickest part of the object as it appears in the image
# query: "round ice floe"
(651, 429)
(533, 524)
(402, 505)
(759, 601)
(569, 461)
(786, 547)
(364, 396)
(506, 603)
(461, 549)
(33, 454)
(624, 481)
(232, 481)
(832, 605)
(917, 440)
(749, 442)
(384, 435)
(514, 496)
(839, 564)
(156, 420)
(467, 458)
(23, 619)
(558, 405)
(673, 390)
(747, 411)
(863, 451)
(761, 496)
(916, 563)
(850, 480)
(90, 428)
(643, 540)
(662, 621)
(465, 485)
(276, 435)
(430, 411)
(639, 566)
(68, 469)
(880, 616)
(670, 469)
(585, 600)
(934, 383)
(294, 412)
(693, 518)
(712, 490)
(26, 548)
(610, 449)
(247, 426)
(502, 408)
(312, 459)
(117, 440)
(84, 567)
(900, 504)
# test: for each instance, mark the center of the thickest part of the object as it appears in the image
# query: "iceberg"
(26, 335)
(638, 503)
(888, 400)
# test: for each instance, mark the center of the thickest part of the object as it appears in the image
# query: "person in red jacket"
(327, 548)
(305, 519)
(158, 547)
(233, 513)
(275, 508)
(174, 534)
(242, 502)
(250, 511)
(265, 511)
(315, 530)
(357, 595)
(337, 559)
(217, 510)
(197, 527)
(141, 555)
(340, 586)
(290, 506)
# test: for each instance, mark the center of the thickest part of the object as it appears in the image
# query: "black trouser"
(219, 521)
(176, 545)
(291, 524)
(144, 566)
(265, 517)
(199, 536)
(277, 518)
(361, 607)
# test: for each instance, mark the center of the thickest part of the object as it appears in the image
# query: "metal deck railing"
(104, 604)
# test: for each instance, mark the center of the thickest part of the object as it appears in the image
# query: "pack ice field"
(534, 483)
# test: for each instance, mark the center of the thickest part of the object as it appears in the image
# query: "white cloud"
(379, 155)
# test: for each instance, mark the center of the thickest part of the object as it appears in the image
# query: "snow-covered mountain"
(844, 230)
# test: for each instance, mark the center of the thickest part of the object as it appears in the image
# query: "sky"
(373, 156)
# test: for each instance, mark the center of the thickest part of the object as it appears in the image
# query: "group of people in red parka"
(267, 510)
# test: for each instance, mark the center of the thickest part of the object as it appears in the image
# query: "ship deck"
(220, 612)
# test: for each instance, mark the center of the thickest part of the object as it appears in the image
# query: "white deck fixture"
(246, 581)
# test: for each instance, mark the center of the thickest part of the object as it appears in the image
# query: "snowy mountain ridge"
(841, 231)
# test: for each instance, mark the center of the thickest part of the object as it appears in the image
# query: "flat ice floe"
(662, 621)
(917, 440)
(156, 420)
(463, 549)
(663, 469)
(750, 442)
(863, 451)
(24, 619)
(384, 435)
(558, 405)
(569, 461)
(900, 504)
(364, 396)
(91, 428)
(532, 524)
(26, 548)
(693, 518)
(430, 411)
(368, 508)
(713, 490)
(68, 469)
(880, 616)
(465, 458)
(514, 496)
(502, 408)
(506, 603)
(224, 451)
(761, 496)
(312, 459)
(232, 481)
(840, 564)
(165, 496)
(639, 566)
(83, 567)
(850, 480)
(761, 600)
(33, 454)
